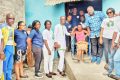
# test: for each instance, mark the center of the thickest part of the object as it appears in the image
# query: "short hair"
(79, 24)
(46, 23)
(34, 23)
(19, 23)
(112, 9)
(90, 7)
(30, 26)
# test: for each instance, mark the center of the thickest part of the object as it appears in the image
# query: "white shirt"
(117, 28)
(59, 35)
(48, 35)
(109, 27)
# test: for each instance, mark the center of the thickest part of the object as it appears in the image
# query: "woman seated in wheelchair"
(82, 45)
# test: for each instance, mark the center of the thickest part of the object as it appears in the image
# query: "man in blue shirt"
(75, 18)
(93, 22)
(69, 29)
(74, 22)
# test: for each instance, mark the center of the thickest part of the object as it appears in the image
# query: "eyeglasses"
(109, 12)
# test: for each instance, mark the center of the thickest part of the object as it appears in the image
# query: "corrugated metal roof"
(54, 2)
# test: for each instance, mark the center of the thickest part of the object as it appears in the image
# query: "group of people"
(102, 31)
(16, 42)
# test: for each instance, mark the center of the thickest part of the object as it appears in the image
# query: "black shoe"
(62, 73)
(40, 76)
(49, 75)
(52, 73)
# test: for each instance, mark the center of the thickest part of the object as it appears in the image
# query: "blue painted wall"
(36, 9)
(111, 3)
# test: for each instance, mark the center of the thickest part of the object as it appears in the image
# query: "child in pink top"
(82, 45)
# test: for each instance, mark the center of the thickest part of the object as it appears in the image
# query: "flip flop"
(24, 76)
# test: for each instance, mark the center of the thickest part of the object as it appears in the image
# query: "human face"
(69, 18)
(22, 26)
(79, 28)
(74, 10)
(81, 13)
(90, 10)
(10, 20)
(48, 25)
(37, 25)
(62, 20)
(110, 13)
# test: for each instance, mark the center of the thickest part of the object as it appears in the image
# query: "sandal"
(24, 76)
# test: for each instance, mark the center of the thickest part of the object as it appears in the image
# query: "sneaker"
(98, 60)
(112, 76)
(38, 76)
(93, 59)
(39, 72)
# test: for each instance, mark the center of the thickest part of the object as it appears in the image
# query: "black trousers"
(96, 48)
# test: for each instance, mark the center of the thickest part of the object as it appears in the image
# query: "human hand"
(101, 41)
(49, 52)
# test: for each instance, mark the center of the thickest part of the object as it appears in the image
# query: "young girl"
(82, 45)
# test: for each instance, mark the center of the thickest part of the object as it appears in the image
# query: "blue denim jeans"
(117, 63)
(73, 45)
(117, 68)
(111, 60)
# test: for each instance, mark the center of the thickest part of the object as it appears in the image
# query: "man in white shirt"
(59, 35)
(48, 49)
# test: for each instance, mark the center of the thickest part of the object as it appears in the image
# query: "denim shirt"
(20, 39)
(94, 23)
(37, 38)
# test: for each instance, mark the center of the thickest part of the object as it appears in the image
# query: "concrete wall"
(14, 6)
(36, 9)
